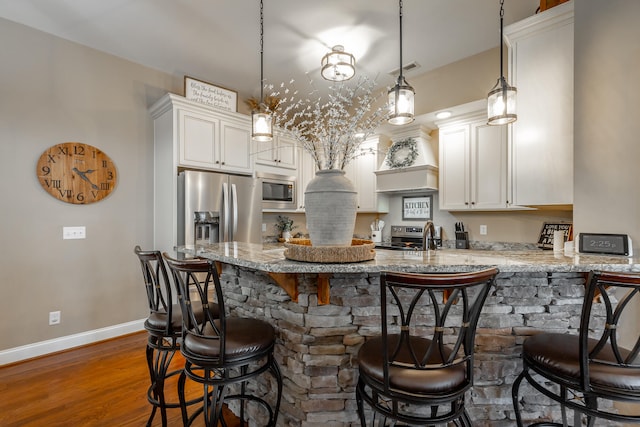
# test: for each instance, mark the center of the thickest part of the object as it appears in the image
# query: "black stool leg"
(515, 389)
(152, 388)
(275, 370)
(183, 404)
(465, 420)
(360, 405)
(158, 361)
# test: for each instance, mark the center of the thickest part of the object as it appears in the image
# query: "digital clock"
(611, 244)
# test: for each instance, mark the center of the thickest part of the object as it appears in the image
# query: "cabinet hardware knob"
(217, 162)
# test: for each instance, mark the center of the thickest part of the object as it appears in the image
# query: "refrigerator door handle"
(224, 233)
(234, 208)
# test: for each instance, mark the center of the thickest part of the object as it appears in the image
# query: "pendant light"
(501, 101)
(338, 65)
(401, 96)
(261, 118)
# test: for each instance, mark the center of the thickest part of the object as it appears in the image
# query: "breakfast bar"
(324, 312)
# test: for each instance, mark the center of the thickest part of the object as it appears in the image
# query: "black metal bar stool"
(164, 327)
(590, 371)
(222, 353)
(418, 370)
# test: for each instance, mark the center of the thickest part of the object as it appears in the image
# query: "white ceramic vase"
(331, 203)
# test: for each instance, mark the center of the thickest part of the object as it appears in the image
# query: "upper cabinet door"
(455, 168)
(278, 155)
(489, 166)
(208, 140)
(197, 139)
(474, 165)
(235, 146)
(541, 68)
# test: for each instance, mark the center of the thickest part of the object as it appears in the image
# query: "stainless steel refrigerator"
(217, 207)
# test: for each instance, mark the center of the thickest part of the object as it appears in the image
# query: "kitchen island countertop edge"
(269, 257)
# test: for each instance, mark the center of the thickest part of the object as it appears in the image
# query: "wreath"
(402, 153)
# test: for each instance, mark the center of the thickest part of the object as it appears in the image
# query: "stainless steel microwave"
(278, 191)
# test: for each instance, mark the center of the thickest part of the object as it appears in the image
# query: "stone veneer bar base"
(317, 344)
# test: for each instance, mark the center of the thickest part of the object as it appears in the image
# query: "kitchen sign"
(211, 95)
(418, 208)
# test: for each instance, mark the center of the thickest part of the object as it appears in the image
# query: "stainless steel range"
(409, 237)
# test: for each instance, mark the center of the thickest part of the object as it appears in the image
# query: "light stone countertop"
(270, 258)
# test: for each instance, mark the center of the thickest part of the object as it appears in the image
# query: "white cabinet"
(473, 165)
(306, 172)
(541, 68)
(207, 141)
(361, 172)
(192, 135)
(235, 145)
(278, 153)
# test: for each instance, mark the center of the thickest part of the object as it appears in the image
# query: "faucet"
(431, 241)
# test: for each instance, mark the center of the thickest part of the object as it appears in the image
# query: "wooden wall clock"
(76, 173)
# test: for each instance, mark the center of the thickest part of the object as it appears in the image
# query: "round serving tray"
(301, 250)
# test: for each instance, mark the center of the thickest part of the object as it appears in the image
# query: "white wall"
(54, 91)
(607, 108)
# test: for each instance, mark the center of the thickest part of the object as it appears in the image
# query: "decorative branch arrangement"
(331, 129)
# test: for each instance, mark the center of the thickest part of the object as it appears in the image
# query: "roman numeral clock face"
(76, 173)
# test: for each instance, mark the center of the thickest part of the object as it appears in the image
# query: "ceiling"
(218, 40)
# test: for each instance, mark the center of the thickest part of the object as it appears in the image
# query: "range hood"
(420, 175)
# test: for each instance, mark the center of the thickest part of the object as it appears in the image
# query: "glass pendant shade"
(401, 103)
(338, 65)
(261, 126)
(501, 103)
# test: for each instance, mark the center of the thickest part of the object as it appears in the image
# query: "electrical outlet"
(74, 233)
(54, 317)
(264, 227)
(483, 230)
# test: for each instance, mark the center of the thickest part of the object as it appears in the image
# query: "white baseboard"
(29, 351)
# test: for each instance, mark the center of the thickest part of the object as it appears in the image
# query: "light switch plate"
(74, 233)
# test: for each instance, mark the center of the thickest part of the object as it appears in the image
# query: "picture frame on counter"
(209, 94)
(417, 207)
(545, 241)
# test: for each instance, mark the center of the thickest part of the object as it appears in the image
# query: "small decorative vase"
(286, 235)
(331, 203)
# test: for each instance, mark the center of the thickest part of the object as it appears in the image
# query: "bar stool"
(583, 371)
(164, 327)
(418, 370)
(223, 353)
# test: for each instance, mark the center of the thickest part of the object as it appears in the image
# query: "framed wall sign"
(417, 207)
(545, 241)
(211, 95)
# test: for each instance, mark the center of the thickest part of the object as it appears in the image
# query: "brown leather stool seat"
(418, 371)
(587, 372)
(427, 382)
(157, 320)
(559, 355)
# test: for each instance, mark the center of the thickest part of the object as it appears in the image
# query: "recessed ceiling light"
(443, 115)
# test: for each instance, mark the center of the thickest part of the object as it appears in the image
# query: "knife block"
(462, 240)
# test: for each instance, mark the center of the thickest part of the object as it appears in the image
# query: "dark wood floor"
(103, 384)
